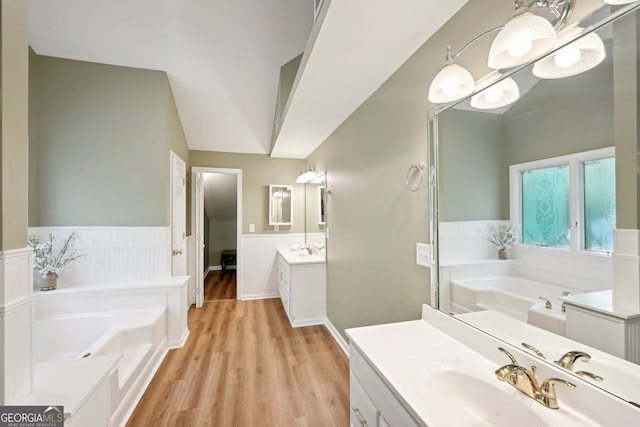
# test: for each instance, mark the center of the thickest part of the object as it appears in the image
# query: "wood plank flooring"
(219, 286)
(244, 365)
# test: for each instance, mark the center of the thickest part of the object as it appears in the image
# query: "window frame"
(576, 193)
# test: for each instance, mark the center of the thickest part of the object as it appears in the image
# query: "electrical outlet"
(252, 228)
(276, 227)
(423, 254)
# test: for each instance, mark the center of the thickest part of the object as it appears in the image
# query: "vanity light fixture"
(307, 175)
(524, 37)
(496, 95)
(453, 82)
(529, 34)
(574, 58)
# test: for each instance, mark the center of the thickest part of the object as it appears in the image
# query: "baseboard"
(181, 342)
(250, 297)
(219, 267)
(337, 336)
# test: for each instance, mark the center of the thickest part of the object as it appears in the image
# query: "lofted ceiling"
(222, 58)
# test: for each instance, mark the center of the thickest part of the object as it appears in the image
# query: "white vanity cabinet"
(372, 402)
(302, 288)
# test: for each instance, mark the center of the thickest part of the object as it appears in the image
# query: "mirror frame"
(272, 189)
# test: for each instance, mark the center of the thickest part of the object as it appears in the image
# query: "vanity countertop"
(300, 257)
(407, 355)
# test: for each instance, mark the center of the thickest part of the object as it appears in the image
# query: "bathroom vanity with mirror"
(559, 161)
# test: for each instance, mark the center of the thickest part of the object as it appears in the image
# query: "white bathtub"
(513, 296)
(138, 322)
(137, 335)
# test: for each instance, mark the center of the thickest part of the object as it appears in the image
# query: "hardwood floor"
(219, 286)
(244, 365)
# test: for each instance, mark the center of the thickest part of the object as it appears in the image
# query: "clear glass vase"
(48, 281)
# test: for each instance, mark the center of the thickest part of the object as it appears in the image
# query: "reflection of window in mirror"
(546, 189)
(321, 206)
(280, 204)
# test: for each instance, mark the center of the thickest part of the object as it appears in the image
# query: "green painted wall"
(258, 171)
(14, 142)
(102, 144)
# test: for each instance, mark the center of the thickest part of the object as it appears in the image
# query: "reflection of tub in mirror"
(513, 296)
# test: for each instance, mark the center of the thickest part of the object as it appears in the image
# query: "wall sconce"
(576, 57)
(307, 175)
(496, 95)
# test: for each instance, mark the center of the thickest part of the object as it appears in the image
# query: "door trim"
(194, 212)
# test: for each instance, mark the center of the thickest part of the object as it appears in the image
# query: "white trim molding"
(344, 345)
(17, 320)
(626, 260)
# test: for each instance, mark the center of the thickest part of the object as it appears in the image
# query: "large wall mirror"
(315, 211)
(550, 168)
(280, 204)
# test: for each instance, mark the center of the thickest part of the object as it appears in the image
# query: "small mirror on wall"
(321, 205)
(280, 202)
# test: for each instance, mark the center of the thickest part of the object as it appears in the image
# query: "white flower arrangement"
(504, 236)
(50, 260)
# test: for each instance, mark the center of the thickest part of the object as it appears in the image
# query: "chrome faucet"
(525, 380)
(567, 360)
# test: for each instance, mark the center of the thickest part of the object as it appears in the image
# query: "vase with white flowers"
(49, 257)
(503, 236)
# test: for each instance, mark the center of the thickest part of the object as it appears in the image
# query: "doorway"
(217, 219)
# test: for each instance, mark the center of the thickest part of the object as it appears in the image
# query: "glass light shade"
(619, 1)
(453, 82)
(524, 37)
(574, 58)
(496, 95)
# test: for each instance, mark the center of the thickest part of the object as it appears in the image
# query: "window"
(548, 196)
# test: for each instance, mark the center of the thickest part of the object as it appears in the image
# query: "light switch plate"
(423, 254)
(252, 228)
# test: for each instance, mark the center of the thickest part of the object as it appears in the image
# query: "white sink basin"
(461, 400)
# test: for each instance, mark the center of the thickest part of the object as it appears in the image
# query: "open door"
(197, 223)
(198, 203)
(178, 216)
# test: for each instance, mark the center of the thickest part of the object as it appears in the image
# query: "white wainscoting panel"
(115, 254)
(17, 318)
(258, 263)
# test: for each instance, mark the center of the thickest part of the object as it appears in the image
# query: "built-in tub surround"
(136, 322)
(418, 360)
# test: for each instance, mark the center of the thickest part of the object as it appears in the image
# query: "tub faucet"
(569, 358)
(526, 382)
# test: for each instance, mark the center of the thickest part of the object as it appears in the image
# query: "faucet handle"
(569, 358)
(547, 304)
(547, 394)
(509, 355)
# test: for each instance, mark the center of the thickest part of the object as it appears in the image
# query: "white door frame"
(195, 171)
(178, 214)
